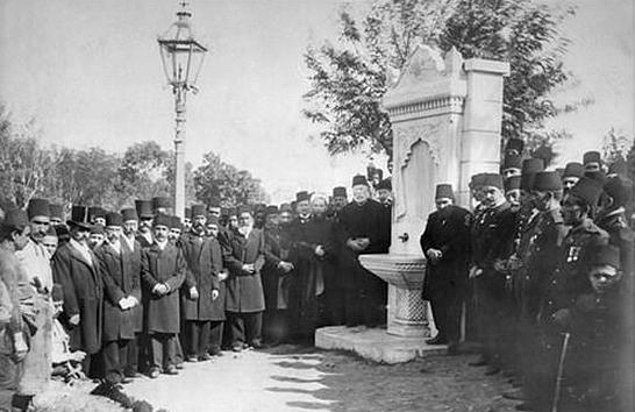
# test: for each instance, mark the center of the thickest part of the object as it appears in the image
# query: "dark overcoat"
(82, 285)
(244, 289)
(132, 264)
(166, 266)
(120, 281)
(204, 263)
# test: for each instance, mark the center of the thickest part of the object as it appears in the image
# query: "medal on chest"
(573, 254)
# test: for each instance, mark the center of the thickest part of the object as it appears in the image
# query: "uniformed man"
(445, 243)
(573, 171)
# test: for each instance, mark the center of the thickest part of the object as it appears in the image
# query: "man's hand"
(475, 271)
(363, 242)
(222, 275)
(124, 303)
(286, 267)
(434, 255)
(133, 301)
(160, 289)
(193, 293)
(249, 268)
(215, 294)
(354, 244)
(74, 320)
(319, 251)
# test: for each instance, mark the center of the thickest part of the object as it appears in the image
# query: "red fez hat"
(512, 161)
(302, 196)
(114, 219)
(15, 219)
(38, 207)
(443, 191)
(477, 180)
(198, 210)
(573, 169)
(161, 201)
(514, 146)
(588, 190)
(533, 165)
(512, 183)
(175, 222)
(144, 208)
(547, 182)
(188, 213)
(339, 191)
(493, 179)
(57, 211)
(591, 157)
(96, 211)
(359, 180)
(129, 214)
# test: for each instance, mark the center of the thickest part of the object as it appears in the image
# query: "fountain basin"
(402, 270)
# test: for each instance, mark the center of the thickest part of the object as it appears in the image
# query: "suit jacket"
(82, 284)
(244, 289)
(162, 313)
(122, 278)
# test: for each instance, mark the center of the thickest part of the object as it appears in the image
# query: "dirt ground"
(290, 378)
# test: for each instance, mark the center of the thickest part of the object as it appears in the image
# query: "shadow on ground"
(349, 383)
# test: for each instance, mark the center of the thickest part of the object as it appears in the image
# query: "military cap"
(359, 180)
(96, 230)
(477, 180)
(114, 219)
(188, 213)
(144, 208)
(285, 207)
(161, 202)
(385, 184)
(512, 161)
(620, 189)
(245, 209)
(514, 146)
(175, 222)
(591, 157)
(443, 191)
(547, 182)
(532, 165)
(588, 190)
(129, 214)
(618, 167)
(302, 196)
(573, 169)
(493, 179)
(79, 217)
(339, 191)
(15, 219)
(162, 220)
(606, 255)
(271, 210)
(38, 207)
(56, 210)
(198, 210)
(512, 183)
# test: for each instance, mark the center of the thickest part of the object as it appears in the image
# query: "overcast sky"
(90, 72)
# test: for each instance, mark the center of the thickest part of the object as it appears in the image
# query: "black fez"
(620, 189)
(573, 169)
(271, 210)
(547, 182)
(246, 209)
(591, 157)
(144, 208)
(359, 180)
(443, 191)
(302, 196)
(188, 213)
(15, 219)
(162, 220)
(544, 153)
(96, 211)
(493, 179)
(512, 183)
(114, 219)
(129, 214)
(533, 165)
(477, 180)
(285, 207)
(339, 191)
(198, 210)
(38, 207)
(512, 161)
(57, 211)
(589, 190)
(606, 255)
(161, 202)
(514, 146)
(175, 222)
(385, 184)
(79, 217)
(619, 167)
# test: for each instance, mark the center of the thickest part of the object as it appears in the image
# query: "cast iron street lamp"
(182, 58)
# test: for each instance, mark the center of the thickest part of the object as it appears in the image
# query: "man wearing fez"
(302, 207)
(15, 296)
(512, 190)
(573, 171)
(57, 214)
(187, 220)
(592, 161)
(146, 217)
(201, 288)
(97, 216)
(50, 241)
(340, 199)
(34, 257)
(175, 229)
(445, 243)
(122, 286)
(97, 235)
(232, 218)
(212, 227)
(162, 274)
(365, 293)
(492, 242)
(244, 257)
(131, 259)
(77, 270)
(161, 205)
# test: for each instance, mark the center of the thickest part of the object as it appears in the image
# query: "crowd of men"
(143, 291)
(538, 271)
(544, 265)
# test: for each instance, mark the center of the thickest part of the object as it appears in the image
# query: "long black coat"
(204, 263)
(244, 290)
(121, 279)
(82, 285)
(447, 231)
(162, 314)
(277, 247)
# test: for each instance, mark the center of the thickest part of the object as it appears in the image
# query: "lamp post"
(182, 57)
